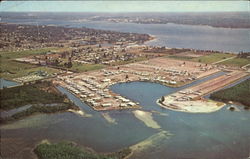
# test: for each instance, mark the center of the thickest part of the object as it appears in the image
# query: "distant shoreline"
(231, 20)
(213, 26)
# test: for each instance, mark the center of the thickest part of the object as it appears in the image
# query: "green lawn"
(10, 69)
(237, 62)
(86, 67)
(212, 58)
(129, 61)
(19, 54)
(181, 57)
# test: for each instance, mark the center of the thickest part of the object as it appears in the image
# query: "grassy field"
(19, 54)
(67, 150)
(236, 62)
(86, 67)
(12, 69)
(129, 61)
(212, 58)
(181, 57)
(238, 93)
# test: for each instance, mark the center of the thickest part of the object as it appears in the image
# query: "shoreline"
(178, 106)
(185, 111)
(88, 89)
(203, 25)
(176, 23)
(153, 37)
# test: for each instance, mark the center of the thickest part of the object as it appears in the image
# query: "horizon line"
(125, 12)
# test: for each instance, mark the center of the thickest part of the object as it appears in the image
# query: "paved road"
(225, 60)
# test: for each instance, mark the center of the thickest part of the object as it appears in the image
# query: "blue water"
(11, 112)
(222, 134)
(184, 36)
(7, 83)
(170, 35)
(219, 135)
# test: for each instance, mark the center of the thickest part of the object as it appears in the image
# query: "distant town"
(70, 71)
(224, 20)
(30, 36)
(121, 57)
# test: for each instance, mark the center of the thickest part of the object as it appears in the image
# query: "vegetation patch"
(129, 61)
(39, 109)
(12, 69)
(68, 150)
(237, 62)
(181, 57)
(211, 58)
(19, 54)
(86, 67)
(29, 94)
(38, 95)
(238, 93)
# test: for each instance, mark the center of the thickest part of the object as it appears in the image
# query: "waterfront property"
(148, 133)
(95, 132)
(191, 99)
(93, 87)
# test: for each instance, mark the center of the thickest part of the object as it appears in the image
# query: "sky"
(124, 6)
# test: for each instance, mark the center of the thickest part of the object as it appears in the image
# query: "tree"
(56, 62)
(162, 99)
(70, 64)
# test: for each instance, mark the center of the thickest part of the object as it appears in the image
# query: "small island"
(69, 150)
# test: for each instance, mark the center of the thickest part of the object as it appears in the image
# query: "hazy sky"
(124, 6)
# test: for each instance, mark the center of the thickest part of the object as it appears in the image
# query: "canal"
(221, 134)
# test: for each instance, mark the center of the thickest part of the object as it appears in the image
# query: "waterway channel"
(222, 134)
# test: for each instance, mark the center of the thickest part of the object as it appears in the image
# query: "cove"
(194, 135)
(198, 136)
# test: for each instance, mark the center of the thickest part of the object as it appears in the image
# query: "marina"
(92, 87)
(191, 99)
(183, 127)
(141, 80)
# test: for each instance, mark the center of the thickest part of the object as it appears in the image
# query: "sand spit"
(198, 106)
(80, 112)
(109, 119)
(191, 99)
(146, 118)
(159, 113)
(153, 141)
(32, 121)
